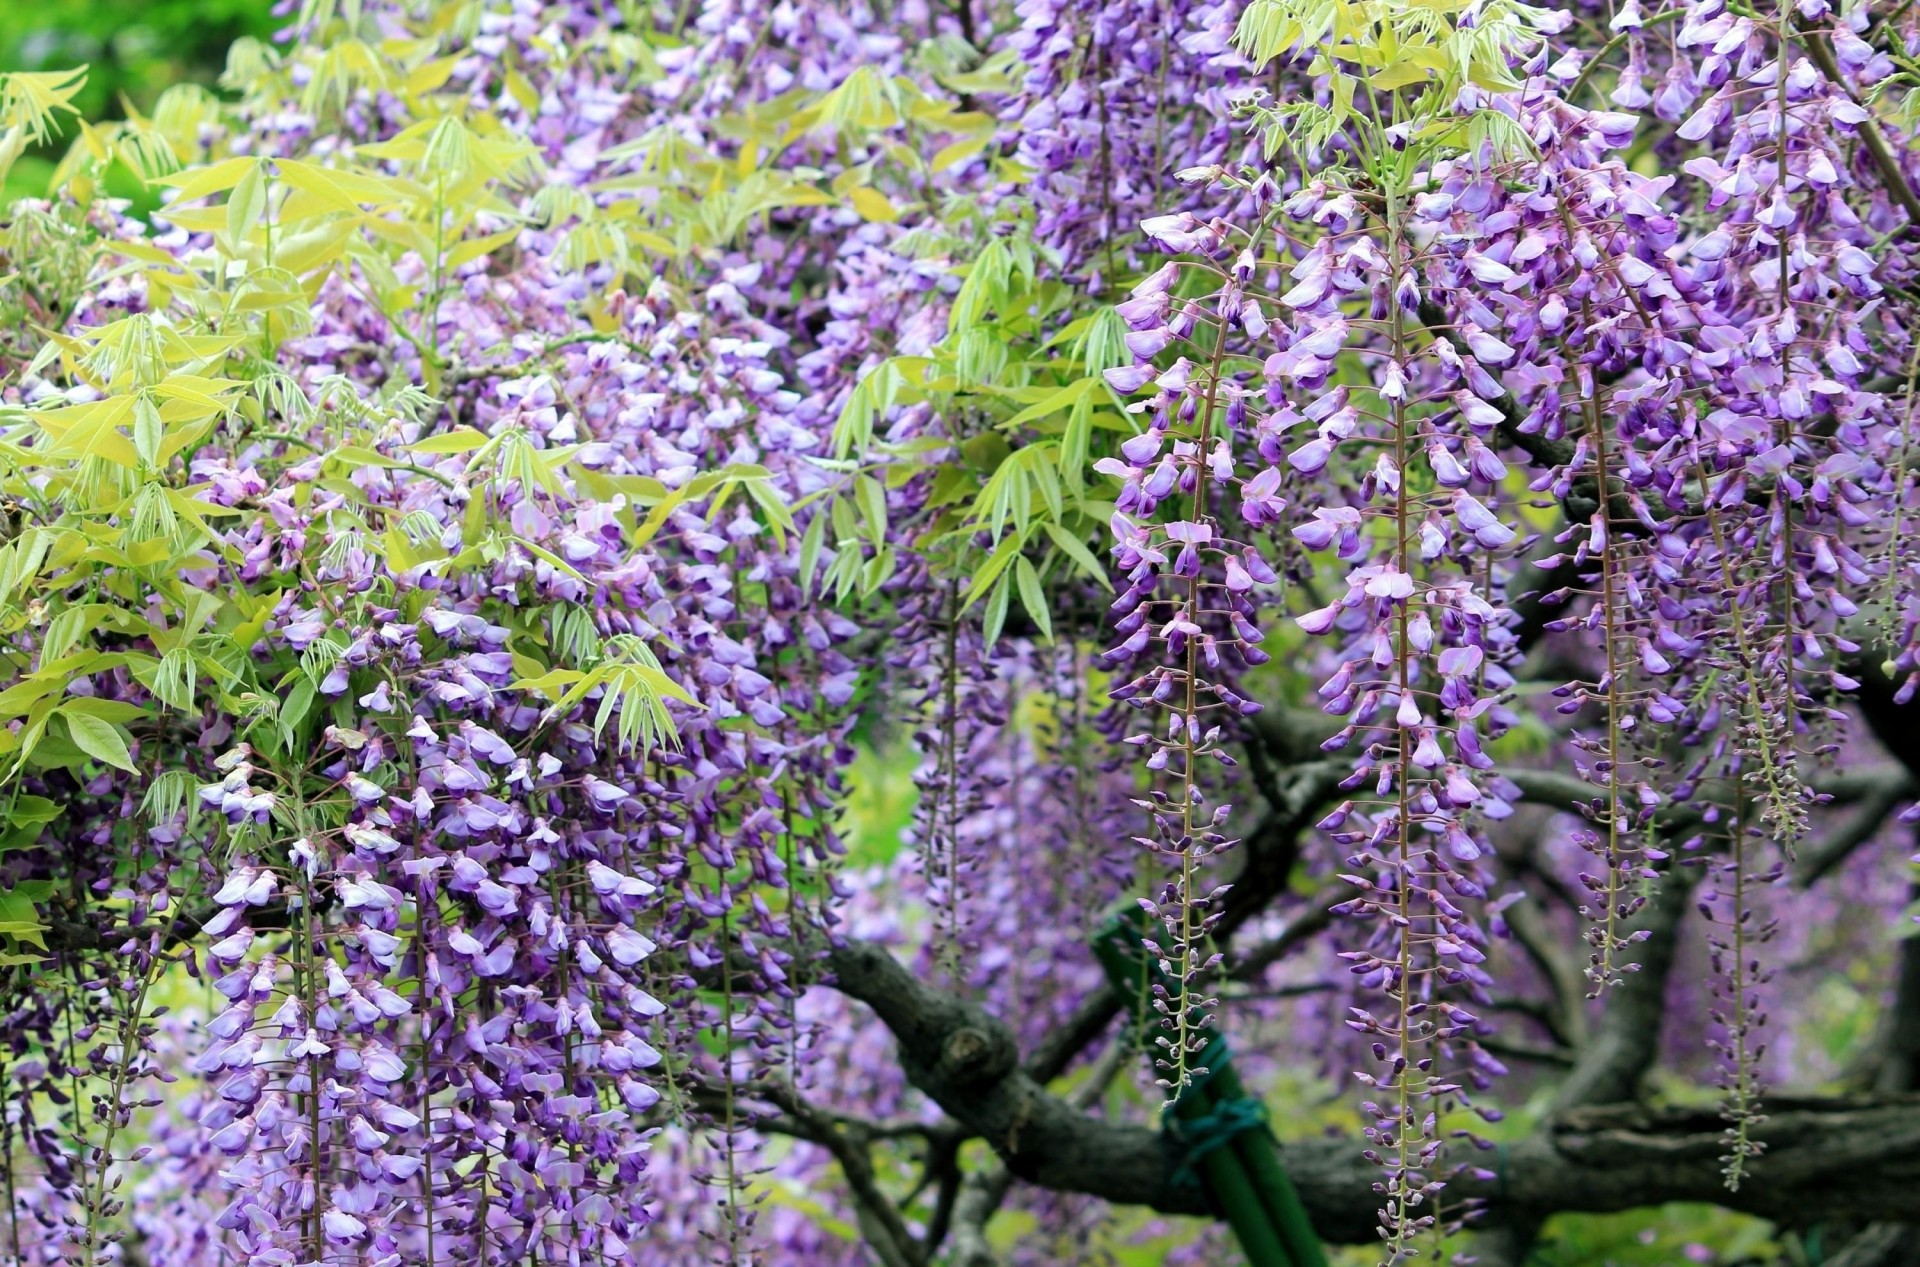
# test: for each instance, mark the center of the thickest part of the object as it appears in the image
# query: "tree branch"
(1626, 1042)
(1891, 174)
(879, 1219)
(1860, 827)
(1834, 1159)
(1317, 918)
(982, 1191)
(1879, 1245)
(966, 1062)
(1566, 1017)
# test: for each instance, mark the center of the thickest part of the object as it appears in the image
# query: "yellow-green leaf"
(247, 204)
(459, 440)
(873, 205)
(198, 183)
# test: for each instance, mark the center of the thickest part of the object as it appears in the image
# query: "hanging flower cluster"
(1187, 611)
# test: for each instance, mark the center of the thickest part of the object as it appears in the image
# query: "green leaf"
(64, 630)
(996, 612)
(873, 205)
(552, 684)
(147, 431)
(195, 183)
(810, 547)
(174, 679)
(986, 452)
(1031, 596)
(358, 455)
(337, 191)
(1054, 402)
(1398, 75)
(20, 921)
(779, 515)
(33, 809)
(294, 711)
(1076, 549)
(1076, 444)
(873, 506)
(473, 248)
(107, 710)
(656, 518)
(845, 529)
(990, 571)
(878, 570)
(97, 738)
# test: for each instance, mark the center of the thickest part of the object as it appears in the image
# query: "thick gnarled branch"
(1836, 1159)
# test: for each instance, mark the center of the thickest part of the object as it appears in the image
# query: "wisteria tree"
(1393, 513)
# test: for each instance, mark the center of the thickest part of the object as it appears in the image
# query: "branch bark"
(1832, 1160)
(1626, 1042)
(982, 1191)
(1899, 1039)
(1892, 176)
(1879, 1245)
(1860, 827)
(966, 1061)
(881, 1224)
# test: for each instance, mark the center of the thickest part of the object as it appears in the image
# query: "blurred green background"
(133, 50)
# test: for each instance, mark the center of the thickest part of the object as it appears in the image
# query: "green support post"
(1231, 1151)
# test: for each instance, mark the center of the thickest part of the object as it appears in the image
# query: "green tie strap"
(1216, 1127)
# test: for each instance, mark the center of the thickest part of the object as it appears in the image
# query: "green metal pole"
(1226, 1177)
(1244, 1177)
(1262, 1160)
